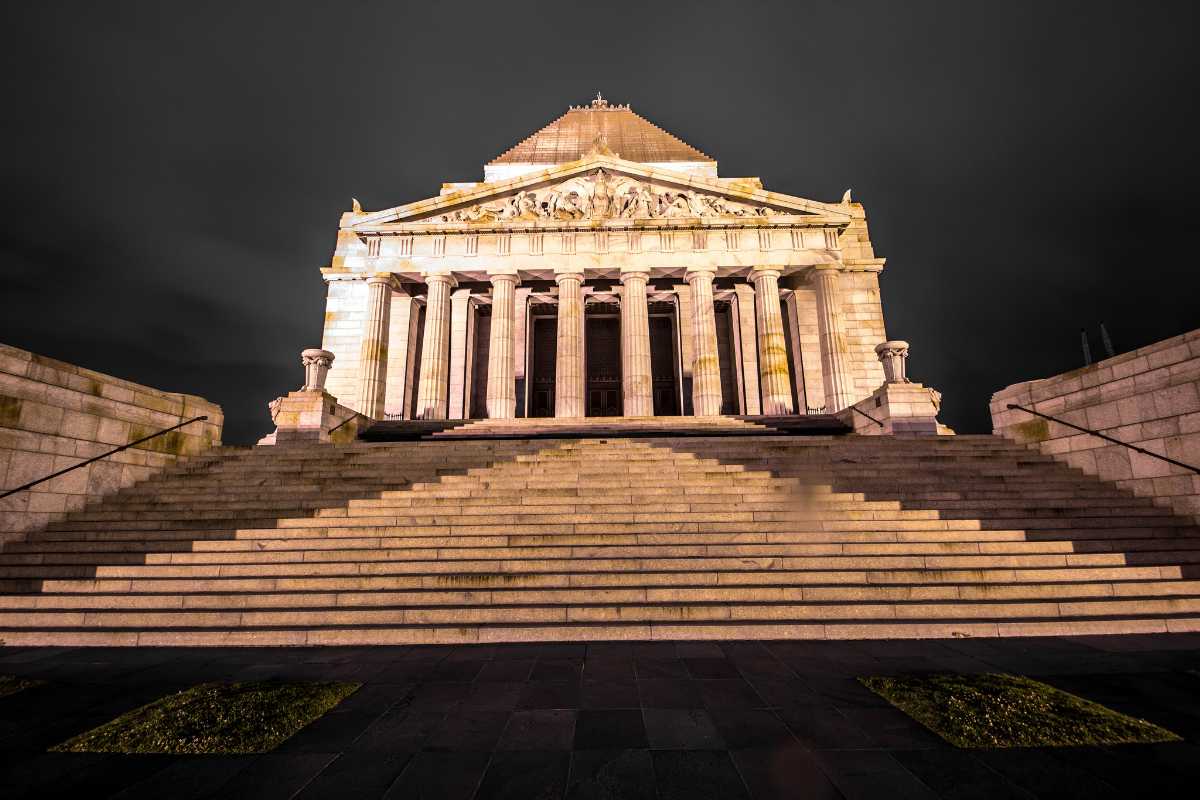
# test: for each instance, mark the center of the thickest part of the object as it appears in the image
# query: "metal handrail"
(1135, 448)
(865, 414)
(347, 419)
(31, 484)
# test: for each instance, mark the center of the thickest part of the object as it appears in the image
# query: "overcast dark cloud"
(173, 173)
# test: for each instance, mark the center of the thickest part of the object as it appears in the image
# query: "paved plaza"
(637, 720)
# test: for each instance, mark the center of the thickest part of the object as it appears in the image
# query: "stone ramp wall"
(54, 414)
(1148, 397)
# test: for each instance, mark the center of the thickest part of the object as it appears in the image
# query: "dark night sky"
(173, 173)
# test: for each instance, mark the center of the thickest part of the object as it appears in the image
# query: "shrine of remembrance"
(603, 268)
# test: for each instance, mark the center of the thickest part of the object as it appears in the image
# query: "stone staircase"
(750, 536)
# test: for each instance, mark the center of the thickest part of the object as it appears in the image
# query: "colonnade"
(637, 381)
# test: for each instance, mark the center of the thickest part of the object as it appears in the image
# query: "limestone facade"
(54, 415)
(671, 290)
(1149, 397)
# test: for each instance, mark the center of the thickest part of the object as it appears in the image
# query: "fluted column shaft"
(772, 346)
(637, 380)
(373, 354)
(433, 392)
(835, 357)
(706, 365)
(501, 377)
(568, 364)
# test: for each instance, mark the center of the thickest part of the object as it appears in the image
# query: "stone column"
(746, 336)
(706, 366)
(772, 347)
(568, 365)
(835, 360)
(462, 348)
(683, 318)
(501, 378)
(432, 391)
(520, 350)
(372, 359)
(637, 380)
(400, 342)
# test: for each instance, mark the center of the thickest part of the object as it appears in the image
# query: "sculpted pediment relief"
(603, 194)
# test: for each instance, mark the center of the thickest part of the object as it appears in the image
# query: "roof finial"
(599, 102)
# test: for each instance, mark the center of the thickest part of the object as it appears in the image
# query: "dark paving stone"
(728, 693)
(506, 670)
(469, 729)
(609, 730)
(557, 669)
(845, 691)
(331, 733)
(608, 694)
(696, 774)
(681, 729)
(525, 776)
(399, 731)
(494, 695)
(451, 671)
(870, 774)
(1044, 775)
(188, 778)
(688, 650)
(274, 776)
(958, 774)
(711, 668)
(537, 694)
(823, 727)
(660, 668)
(440, 776)
(751, 729)
(654, 650)
(892, 729)
(98, 778)
(608, 670)
(545, 730)
(377, 697)
(786, 771)
(356, 775)
(669, 693)
(611, 775)
(439, 696)
(779, 692)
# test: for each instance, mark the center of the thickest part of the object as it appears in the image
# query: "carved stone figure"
(600, 196)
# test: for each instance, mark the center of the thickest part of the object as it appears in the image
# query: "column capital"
(559, 277)
(694, 274)
(764, 272)
(385, 278)
(440, 277)
(504, 277)
(635, 274)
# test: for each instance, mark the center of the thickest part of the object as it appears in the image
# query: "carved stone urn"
(316, 367)
(893, 356)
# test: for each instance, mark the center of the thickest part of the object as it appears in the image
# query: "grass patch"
(214, 718)
(11, 684)
(996, 710)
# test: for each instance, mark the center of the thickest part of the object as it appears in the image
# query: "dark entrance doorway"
(545, 348)
(662, 366)
(603, 390)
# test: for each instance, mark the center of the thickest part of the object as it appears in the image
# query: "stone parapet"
(1149, 398)
(311, 416)
(54, 415)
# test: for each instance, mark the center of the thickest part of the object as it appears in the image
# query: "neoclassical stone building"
(603, 268)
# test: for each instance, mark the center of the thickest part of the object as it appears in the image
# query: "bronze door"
(545, 348)
(603, 336)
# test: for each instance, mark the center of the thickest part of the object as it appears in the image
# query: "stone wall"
(54, 414)
(1148, 397)
(863, 315)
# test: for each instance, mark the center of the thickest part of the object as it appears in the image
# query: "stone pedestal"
(501, 380)
(901, 408)
(433, 387)
(776, 379)
(637, 381)
(569, 375)
(706, 367)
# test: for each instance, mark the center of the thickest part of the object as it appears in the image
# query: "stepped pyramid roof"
(614, 129)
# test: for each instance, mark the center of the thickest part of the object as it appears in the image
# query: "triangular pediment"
(596, 188)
